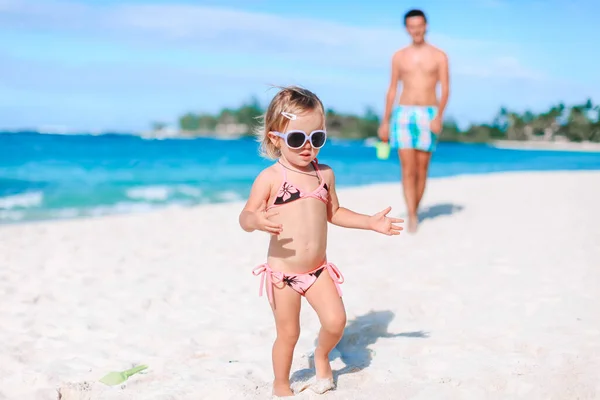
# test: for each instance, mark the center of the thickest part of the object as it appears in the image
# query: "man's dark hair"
(414, 13)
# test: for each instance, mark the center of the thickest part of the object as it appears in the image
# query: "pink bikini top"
(288, 192)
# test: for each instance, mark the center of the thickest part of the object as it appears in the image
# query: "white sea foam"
(229, 196)
(163, 192)
(11, 215)
(190, 191)
(23, 200)
(152, 193)
(120, 208)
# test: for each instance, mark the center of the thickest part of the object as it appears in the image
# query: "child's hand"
(381, 223)
(262, 222)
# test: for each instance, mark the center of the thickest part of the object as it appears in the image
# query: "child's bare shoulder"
(326, 171)
(267, 175)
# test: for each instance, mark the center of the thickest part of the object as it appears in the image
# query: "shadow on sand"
(438, 210)
(353, 348)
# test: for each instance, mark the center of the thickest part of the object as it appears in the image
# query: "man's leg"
(422, 161)
(426, 142)
(408, 162)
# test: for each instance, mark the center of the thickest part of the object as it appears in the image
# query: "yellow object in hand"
(383, 150)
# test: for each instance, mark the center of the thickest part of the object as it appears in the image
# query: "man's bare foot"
(413, 223)
(322, 366)
(282, 389)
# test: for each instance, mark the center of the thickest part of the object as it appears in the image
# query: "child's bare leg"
(287, 320)
(327, 303)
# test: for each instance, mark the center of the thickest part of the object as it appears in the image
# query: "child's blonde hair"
(289, 99)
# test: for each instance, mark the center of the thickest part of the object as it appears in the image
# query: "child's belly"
(302, 245)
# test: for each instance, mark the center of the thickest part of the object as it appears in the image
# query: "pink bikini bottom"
(299, 282)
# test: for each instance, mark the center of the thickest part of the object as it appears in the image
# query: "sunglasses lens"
(296, 140)
(318, 139)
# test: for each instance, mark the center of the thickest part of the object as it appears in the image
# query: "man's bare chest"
(418, 65)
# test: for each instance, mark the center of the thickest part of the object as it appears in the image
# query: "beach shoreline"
(180, 208)
(496, 297)
(544, 145)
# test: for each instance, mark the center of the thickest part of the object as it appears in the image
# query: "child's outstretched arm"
(346, 218)
(254, 216)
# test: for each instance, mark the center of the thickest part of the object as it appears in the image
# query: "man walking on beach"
(416, 122)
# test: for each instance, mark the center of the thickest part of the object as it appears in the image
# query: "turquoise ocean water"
(46, 176)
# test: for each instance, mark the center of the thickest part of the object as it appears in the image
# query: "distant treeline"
(575, 123)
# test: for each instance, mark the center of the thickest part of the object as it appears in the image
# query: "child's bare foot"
(282, 389)
(324, 374)
(323, 381)
(321, 386)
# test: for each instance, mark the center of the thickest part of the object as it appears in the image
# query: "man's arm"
(444, 78)
(393, 88)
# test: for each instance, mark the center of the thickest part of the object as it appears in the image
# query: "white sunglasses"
(297, 139)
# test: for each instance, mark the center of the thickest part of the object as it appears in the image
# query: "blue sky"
(119, 65)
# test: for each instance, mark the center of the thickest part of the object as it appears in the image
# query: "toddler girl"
(293, 200)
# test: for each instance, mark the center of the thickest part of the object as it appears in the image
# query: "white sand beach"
(496, 297)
